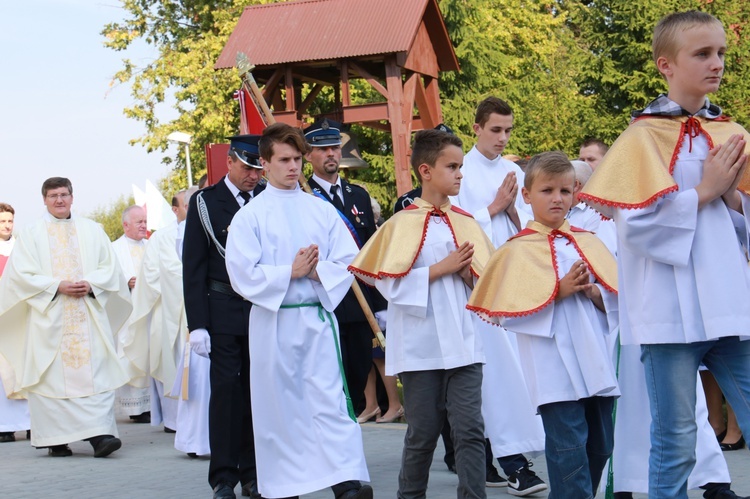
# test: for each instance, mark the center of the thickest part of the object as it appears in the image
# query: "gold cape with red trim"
(521, 277)
(637, 169)
(394, 247)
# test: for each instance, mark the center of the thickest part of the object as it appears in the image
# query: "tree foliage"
(110, 217)
(569, 68)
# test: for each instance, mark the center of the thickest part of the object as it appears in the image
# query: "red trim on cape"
(628, 206)
(524, 232)
(460, 211)
(591, 269)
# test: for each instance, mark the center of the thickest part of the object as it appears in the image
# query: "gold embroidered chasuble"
(59, 346)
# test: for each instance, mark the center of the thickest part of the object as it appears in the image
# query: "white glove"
(200, 342)
(380, 316)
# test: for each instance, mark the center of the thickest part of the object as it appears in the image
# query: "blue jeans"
(579, 440)
(671, 371)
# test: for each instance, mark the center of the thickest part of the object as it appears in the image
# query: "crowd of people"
(531, 305)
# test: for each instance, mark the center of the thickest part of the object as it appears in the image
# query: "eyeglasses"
(55, 197)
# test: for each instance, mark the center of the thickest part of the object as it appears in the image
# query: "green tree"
(110, 217)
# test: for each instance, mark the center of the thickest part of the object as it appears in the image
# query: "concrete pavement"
(148, 466)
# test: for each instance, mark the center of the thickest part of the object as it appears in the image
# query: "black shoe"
(142, 418)
(250, 489)
(192, 455)
(719, 491)
(59, 451)
(28, 434)
(169, 430)
(364, 492)
(224, 491)
(739, 444)
(493, 478)
(623, 495)
(524, 482)
(104, 445)
(7, 436)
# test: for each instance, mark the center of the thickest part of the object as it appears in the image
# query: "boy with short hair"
(426, 279)
(673, 183)
(491, 193)
(287, 253)
(549, 284)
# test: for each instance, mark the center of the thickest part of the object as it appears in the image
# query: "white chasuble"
(304, 438)
(135, 397)
(61, 349)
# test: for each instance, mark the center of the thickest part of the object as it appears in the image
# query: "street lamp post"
(184, 138)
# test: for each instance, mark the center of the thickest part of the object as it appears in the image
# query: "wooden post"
(399, 130)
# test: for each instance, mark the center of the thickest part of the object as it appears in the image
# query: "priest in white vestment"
(14, 414)
(158, 326)
(133, 399)
(287, 252)
(61, 297)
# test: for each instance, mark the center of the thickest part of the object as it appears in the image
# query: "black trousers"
(230, 422)
(356, 354)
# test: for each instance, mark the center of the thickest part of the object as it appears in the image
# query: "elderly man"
(133, 399)
(158, 327)
(218, 317)
(61, 296)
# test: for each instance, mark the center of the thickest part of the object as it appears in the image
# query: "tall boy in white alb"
(491, 192)
(673, 182)
(287, 253)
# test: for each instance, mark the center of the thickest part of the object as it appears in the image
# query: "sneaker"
(494, 479)
(524, 482)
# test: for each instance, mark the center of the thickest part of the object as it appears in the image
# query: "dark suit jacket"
(218, 312)
(364, 224)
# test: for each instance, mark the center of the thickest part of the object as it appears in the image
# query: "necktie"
(245, 195)
(336, 199)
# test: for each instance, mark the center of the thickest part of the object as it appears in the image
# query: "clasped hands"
(77, 289)
(305, 262)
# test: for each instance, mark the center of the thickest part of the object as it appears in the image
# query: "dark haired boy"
(426, 279)
(287, 253)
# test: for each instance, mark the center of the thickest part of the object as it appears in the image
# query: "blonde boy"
(549, 284)
(675, 184)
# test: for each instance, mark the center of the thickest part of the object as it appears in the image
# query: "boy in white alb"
(676, 186)
(287, 253)
(490, 192)
(555, 286)
(423, 261)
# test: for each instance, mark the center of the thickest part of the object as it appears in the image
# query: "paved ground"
(148, 466)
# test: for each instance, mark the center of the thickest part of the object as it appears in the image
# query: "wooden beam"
(288, 117)
(289, 89)
(399, 127)
(271, 84)
(425, 111)
(432, 93)
(345, 95)
(366, 112)
(314, 91)
(410, 87)
(374, 83)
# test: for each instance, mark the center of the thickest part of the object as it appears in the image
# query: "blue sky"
(58, 114)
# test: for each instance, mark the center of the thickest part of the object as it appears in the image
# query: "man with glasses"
(61, 296)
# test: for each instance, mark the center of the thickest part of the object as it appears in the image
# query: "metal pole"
(189, 170)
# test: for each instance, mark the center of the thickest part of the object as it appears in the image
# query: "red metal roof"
(309, 30)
